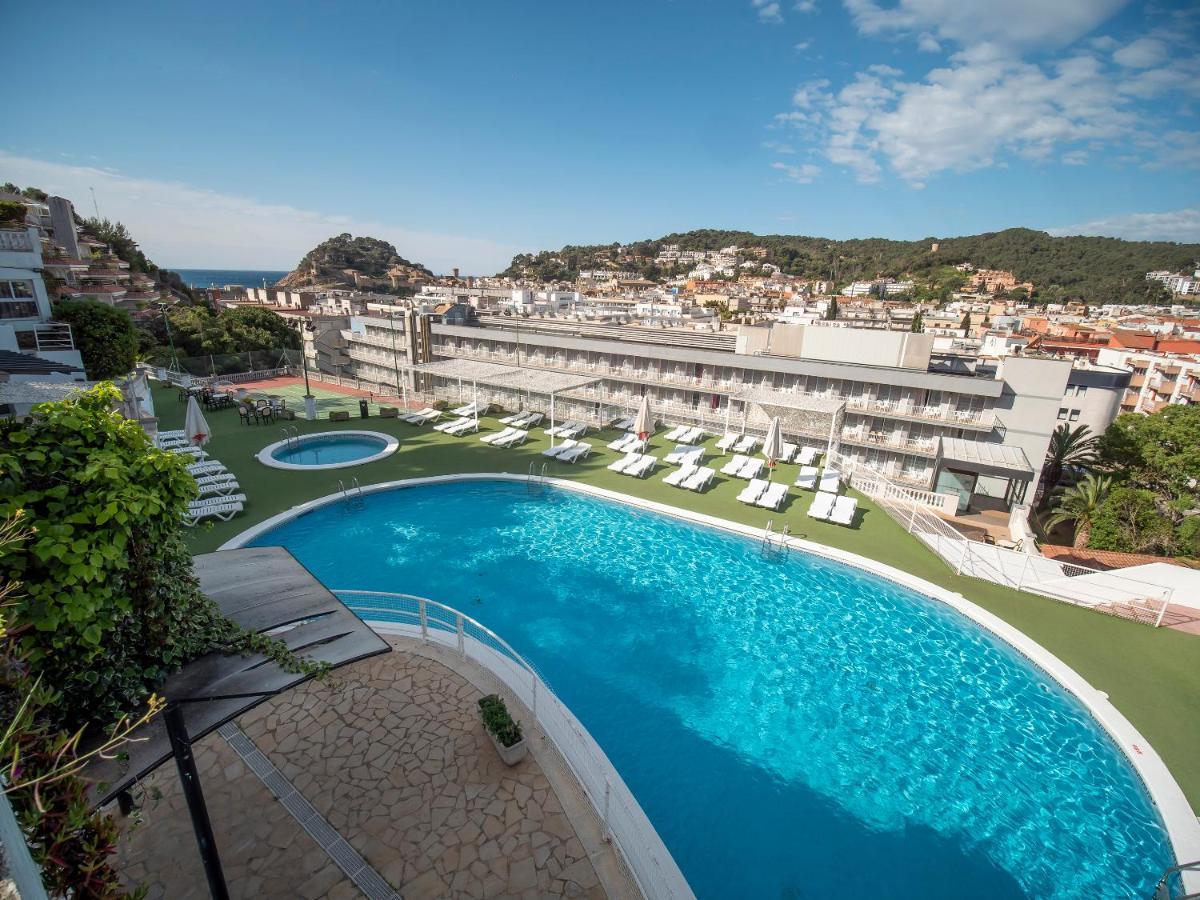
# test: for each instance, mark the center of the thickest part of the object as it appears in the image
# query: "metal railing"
(617, 811)
(1171, 885)
(1024, 570)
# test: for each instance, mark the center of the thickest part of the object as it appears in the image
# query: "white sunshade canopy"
(195, 426)
(773, 443)
(522, 378)
(643, 424)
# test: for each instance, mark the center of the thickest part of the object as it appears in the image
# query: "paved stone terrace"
(391, 752)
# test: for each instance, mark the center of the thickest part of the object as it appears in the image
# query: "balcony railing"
(16, 241)
(54, 336)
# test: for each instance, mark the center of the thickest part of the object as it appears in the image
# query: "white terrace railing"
(1024, 570)
(617, 811)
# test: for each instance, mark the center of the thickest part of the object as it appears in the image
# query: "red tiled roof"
(1103, 559)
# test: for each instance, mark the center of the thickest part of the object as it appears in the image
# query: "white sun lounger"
(843, 510)
(680, 475)
(822, 506)
(172, 433)
(167, 443)
(699, 480)
(517, 437)
(619, 443)
(677, 432)
(807, 478)
(789, 450)
(464, 411)
(428, 414)
(215, 478)
(728, 441)
(218, 488)
(643, 467)
(692, 435)
(623, 424)
(751, 492)
(751, 468)
(773, 496)
(624, 462)
(676, 456)
(453, 423)
(188, 451)
(745, 444)
(558, 429)
(734, 465)
(576, 429)
(555, 449)
(508, 420)
(529, 420)
(498, 435)
(222, 511)
(808, 456)
(217, 501)
(831, 480)
(209, 467)
(576, 453)
(461, 427)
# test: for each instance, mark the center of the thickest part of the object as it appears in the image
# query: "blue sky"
(240, 134)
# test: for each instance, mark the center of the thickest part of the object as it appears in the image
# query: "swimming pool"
(792, 726)
(328, 450)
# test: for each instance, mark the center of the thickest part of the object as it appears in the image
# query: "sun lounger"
(831, 480)
(751, 468)
(623, 424)
(555, 449)
(576, 453)
(624, 462)
(789, 450)
(751, 492)
(822, 506)
(166, 443)
(217, 501)
(676, 456)
(210, 467)
(734, 465)
(215, 478)
(528, 420)
(691, 435)
(461, 427)
(745, 444)
(222, 511)
(807, 478)
(642, 467)
(699, 479)
(508, 420)
(808, 456)
(773, 496)
(843, 510)
(677, 432)
(464, 411)
(680, 475)
(173, 433)
(187, 451)
(619, 443)
(517, 437)
(428, 414)
(728, 441)
(499, 435)
(453, 423)
(577, 429)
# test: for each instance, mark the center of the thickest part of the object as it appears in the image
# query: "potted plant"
(502, 729)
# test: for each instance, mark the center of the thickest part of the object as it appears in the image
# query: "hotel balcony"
(1138, 379)
(917, 446)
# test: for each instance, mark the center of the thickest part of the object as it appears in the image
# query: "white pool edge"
(391, 444)
(1183, 829)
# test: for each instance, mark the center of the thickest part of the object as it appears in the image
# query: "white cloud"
(1142, 53)
(184, 226)
(801, 174)
(927, 43)
(805, 6)
(802, 46)
(1181, 225)
(1075, 158)
(1012, 22)
(779, 147)
(767, 11)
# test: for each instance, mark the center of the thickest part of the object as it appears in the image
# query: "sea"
(202, 278)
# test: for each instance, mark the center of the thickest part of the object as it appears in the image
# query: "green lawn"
(1151, 675)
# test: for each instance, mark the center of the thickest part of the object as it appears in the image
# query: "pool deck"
(391, 754)
(1151, 675)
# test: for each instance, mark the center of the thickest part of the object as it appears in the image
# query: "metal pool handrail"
(620, 816)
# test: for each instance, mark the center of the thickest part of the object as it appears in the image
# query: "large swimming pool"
(793, 727)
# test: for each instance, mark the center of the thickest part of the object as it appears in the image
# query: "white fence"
(1024, 570)
(616, 809)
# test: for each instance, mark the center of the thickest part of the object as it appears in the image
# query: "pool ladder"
(352, 497)
(536, 480)
(290, 434)
(775, 543)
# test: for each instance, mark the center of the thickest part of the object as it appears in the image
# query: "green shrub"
(110, 602)
(106, 337)
(497, 720)
(11, 213)
(1129, 521)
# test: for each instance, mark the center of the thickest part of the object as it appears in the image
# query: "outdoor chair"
(247, 414)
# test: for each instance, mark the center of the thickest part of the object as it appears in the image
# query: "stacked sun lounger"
(219, 493)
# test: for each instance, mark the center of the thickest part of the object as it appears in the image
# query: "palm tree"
(1068, 447)
(1078, 504)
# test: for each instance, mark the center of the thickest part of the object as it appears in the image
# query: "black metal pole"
(189, 778)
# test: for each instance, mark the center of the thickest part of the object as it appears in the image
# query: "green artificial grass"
(1151, 675)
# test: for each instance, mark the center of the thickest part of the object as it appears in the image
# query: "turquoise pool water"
(792, 727)
(323, 450)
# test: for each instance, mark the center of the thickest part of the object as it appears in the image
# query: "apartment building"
(878, 396)
(26, 325)
(1156, 378)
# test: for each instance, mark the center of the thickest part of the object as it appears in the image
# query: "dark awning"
(264, 589)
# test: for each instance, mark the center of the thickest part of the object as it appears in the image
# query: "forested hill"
(1098, 269)
(336, 262)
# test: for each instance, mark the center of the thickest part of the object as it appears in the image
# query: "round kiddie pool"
(328, 450)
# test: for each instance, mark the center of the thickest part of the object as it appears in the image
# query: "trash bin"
(362, 407)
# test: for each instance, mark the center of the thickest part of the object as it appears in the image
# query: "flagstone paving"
(390, 751)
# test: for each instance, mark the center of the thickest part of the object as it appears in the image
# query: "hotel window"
(1062, 413)
(16, 300)
(1074, 416)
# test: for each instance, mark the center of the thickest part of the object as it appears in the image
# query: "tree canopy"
(198, 331)
(104, 335)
